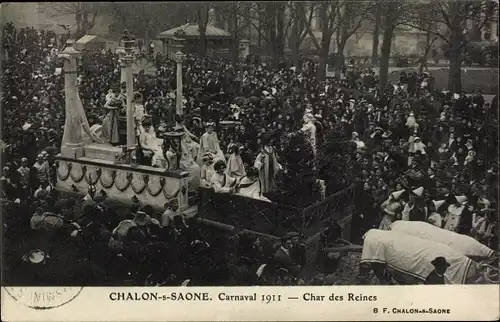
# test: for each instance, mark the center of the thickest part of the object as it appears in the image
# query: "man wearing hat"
(283, 257)
(392, 208)
(415, 209)
(24, 177)
(40, 172)
(436, 277)
(298, 251)
(435, 217)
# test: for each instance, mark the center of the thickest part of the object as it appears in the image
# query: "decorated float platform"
(122, 181)
(233, 212)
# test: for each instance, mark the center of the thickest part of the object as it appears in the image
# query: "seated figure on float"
(220, 181)
(164, 153)
(151, 146)
(187, 142)
(250, 185)
(235, 166)
(209, 143)
(207, 170)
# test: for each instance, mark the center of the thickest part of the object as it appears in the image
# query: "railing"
(277, 219)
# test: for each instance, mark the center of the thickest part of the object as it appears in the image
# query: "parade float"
(85, 160)
(113, 170)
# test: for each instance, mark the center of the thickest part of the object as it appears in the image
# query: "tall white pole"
(130, 106)
(179, 98)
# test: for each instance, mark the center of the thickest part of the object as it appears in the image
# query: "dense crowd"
(420, 152)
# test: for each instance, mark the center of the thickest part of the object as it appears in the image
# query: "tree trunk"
(385, 52)
(280, 32)
(455, 74)
(293, 42)
(202, 26)
(376, 32)
(219, 20)
(323, 56)
(236, 37)
(340, 53)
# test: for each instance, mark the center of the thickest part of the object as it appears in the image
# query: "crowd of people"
(420, 152)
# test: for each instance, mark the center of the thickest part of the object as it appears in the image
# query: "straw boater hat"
(438, 204)
(26, 126)
(461, 199)
(140, 218)
(397, 194)
(418, 192)
(36, 256)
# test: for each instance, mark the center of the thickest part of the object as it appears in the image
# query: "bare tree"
(352, 16)
(270, 21)
(202, 18)
(452, 19)
(394, 14)
(301, 15)
(85, 13)
(329, 12)
(376, 30)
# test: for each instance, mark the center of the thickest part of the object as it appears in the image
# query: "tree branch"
(437, 34)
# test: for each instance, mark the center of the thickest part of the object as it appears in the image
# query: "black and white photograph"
(273, 143)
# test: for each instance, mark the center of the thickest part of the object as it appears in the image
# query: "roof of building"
(191, 30)
(90, 38)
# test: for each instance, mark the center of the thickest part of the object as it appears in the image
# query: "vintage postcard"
(286, 160)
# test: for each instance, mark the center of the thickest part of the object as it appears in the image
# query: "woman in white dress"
(310, 130)
(187, 141)
(151, 145)
(250, 185)
(220, 181)
(209, 143)
(207, 170)
(235, 166)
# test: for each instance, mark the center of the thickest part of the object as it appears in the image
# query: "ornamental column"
(127, 59)
(72, 141)
(179, 57)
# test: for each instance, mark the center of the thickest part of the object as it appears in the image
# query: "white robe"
(207, 171)
(310, 130)
(148, 140)
(222, 183)
(410, 122)
(235, 166)
(210, 143)
(251, 188)
(139, 113)
(263, 162)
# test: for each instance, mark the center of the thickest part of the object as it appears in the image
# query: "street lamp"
(179, 57)
(127, 59)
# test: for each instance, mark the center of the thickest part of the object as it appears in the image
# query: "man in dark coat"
(436, 277)
(283, 256)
